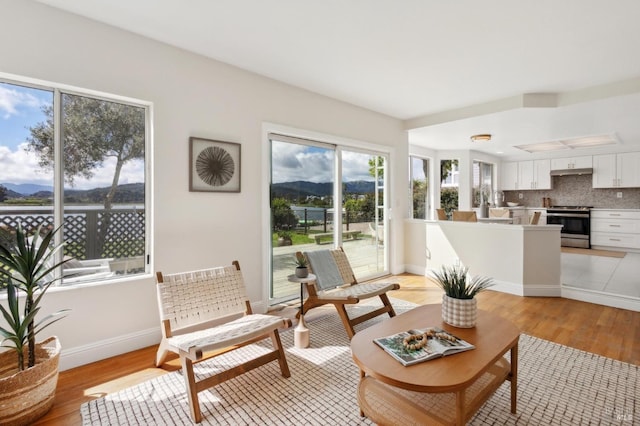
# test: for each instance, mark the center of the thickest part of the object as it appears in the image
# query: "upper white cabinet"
(582, 162)
(535, 174)
(523, 175)
(509, 176)
(616, 170)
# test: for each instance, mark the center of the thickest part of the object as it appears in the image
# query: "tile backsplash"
(576, 190)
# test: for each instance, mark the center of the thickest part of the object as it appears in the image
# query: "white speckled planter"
(460, 313)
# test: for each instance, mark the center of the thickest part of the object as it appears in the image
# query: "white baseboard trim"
(600, 298)
(259, 307)
(507, 287)
(96, 351)
(542, 290)
(416, 269)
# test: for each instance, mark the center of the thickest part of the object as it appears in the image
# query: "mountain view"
(128, 193)
(304, 188)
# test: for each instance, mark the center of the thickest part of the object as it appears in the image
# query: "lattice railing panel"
(124, 238)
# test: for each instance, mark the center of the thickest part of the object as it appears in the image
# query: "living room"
(196, 96)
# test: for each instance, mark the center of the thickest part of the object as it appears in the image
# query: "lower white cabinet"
(615, 228)
(519, 216)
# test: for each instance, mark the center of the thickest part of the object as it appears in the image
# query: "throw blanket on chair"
(325, 269)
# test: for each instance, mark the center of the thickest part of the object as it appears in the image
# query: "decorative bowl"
(511, 204)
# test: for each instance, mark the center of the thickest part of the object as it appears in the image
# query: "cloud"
(21, 166)
(13, 100)
(291, 162)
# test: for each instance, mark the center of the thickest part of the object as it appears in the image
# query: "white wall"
(192, 96)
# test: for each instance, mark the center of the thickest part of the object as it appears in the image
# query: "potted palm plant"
(302, 270)
(459, 306)
(29, 370)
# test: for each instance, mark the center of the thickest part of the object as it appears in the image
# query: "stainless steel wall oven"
(576, 225)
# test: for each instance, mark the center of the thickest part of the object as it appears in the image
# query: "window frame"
(481, 178)
(429, 188)
(58, 172)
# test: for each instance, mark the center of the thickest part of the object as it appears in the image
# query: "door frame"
(340, 143)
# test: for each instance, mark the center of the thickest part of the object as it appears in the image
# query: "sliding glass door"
(323, 196)
(364, 200)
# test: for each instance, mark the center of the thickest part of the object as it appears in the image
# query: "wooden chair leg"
(387, 302)
(282, 360)
(190, 385)
(342, 311)
(162, 353)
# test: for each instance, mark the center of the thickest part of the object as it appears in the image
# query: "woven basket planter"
(27, 395)
(460, 313)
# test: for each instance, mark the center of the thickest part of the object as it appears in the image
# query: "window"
(325, 195)
(449, 179)
(482, 183)
(419, 185)
(78, 161)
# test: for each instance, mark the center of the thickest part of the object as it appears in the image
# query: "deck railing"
(89, 233)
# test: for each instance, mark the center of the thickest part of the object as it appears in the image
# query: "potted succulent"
(459, 306)
(29, 370)
(302, 269)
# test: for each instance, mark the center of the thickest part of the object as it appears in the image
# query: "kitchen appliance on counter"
(576, 224)
(498, 198)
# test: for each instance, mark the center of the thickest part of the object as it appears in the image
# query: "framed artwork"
(214, 166)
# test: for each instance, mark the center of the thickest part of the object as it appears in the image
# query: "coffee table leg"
(460, 407)
(514, 377)
(361, 378)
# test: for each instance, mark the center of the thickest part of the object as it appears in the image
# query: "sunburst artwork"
(215, 166)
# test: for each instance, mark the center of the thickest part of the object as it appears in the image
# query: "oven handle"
(584, 216)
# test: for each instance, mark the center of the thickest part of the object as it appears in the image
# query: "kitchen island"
(522, 259)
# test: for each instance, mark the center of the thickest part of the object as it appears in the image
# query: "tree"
(3, 193)
(373, 165)
(445, 168)
(93, 130)
(283, 216)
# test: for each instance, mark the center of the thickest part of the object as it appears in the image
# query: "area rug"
(557, 385)
(594, 252)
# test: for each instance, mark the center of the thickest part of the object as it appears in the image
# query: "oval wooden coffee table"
(447, 390)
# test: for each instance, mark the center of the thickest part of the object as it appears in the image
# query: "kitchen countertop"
(613, 208)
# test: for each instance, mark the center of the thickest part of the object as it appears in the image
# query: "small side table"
(301, 332)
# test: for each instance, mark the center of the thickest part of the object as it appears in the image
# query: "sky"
(292, 162)
(21, 108)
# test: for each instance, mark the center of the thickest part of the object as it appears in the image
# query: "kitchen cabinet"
(509, 176)
(615, 228)
(535, 174)
(581, 162)
(616, 170)
(519, 216)
(524, 175)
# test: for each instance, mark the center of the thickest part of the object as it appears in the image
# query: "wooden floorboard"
(607, 331)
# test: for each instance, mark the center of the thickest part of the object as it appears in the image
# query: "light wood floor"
(611, 332)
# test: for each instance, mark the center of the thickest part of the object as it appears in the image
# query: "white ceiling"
(422, 60)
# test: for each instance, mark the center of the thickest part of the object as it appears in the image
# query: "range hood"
(565, 172)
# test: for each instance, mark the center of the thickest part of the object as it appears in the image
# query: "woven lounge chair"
(336, 284)
(535, 218)
(206, 313)
(464, 216)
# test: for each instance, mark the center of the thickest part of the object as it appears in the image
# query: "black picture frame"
(214, 166)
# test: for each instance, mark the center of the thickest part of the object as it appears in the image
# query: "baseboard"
(96, 351)
(542, 290)
(507, 287)
(416, 270)
(600, 298)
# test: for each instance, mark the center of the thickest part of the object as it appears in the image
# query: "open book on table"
(407, 347)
